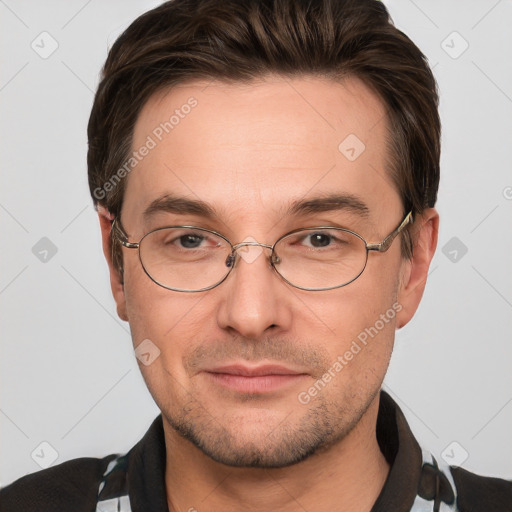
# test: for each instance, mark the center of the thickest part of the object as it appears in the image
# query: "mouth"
(258, 379)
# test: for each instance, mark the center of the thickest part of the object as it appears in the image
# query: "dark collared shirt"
(135, 482)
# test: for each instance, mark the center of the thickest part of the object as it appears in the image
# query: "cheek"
(172, 321)
(360, 348)
(164, 324)
(359, 320)
(155, 313)
(350, 310)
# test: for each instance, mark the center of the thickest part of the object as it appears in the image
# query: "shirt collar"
(403, 455)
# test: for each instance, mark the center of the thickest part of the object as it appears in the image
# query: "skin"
(248, 150)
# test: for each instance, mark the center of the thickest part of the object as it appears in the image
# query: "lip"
(257, 379)
(254, 371)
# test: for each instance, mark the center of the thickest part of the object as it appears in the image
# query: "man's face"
(249, 152)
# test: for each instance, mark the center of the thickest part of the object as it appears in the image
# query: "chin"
(259, 440)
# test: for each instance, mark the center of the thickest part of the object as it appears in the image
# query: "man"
(265, 174)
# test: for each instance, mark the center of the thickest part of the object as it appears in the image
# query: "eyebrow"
(327, 203)
(179, 205)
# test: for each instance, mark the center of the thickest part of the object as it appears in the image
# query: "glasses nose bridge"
(235, 247)
(249, 243)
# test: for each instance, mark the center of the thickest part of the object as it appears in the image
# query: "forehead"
(254, 147)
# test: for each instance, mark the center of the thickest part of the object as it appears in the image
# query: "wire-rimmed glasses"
(194, 259)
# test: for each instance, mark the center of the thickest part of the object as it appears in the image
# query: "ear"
(415, 270)
(116, 282)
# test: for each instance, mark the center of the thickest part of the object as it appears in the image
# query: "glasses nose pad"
(275, 259)
(230, 260)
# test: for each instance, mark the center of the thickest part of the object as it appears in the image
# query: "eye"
(320, 239)
(324, 239)
(178, 239)
(190, 241)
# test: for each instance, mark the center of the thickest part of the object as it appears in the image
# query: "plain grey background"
(69, 378)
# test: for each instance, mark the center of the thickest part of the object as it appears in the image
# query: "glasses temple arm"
(119, 233)
(386, 243)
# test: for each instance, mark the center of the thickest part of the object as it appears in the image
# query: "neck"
(348, 475)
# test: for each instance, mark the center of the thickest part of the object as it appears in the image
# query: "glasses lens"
(319, 259)
(185, 259)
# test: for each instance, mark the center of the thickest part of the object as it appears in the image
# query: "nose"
(255, 299)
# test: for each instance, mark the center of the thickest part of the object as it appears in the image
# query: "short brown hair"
(240, 40)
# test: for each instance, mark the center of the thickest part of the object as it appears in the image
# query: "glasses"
(195, 259)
